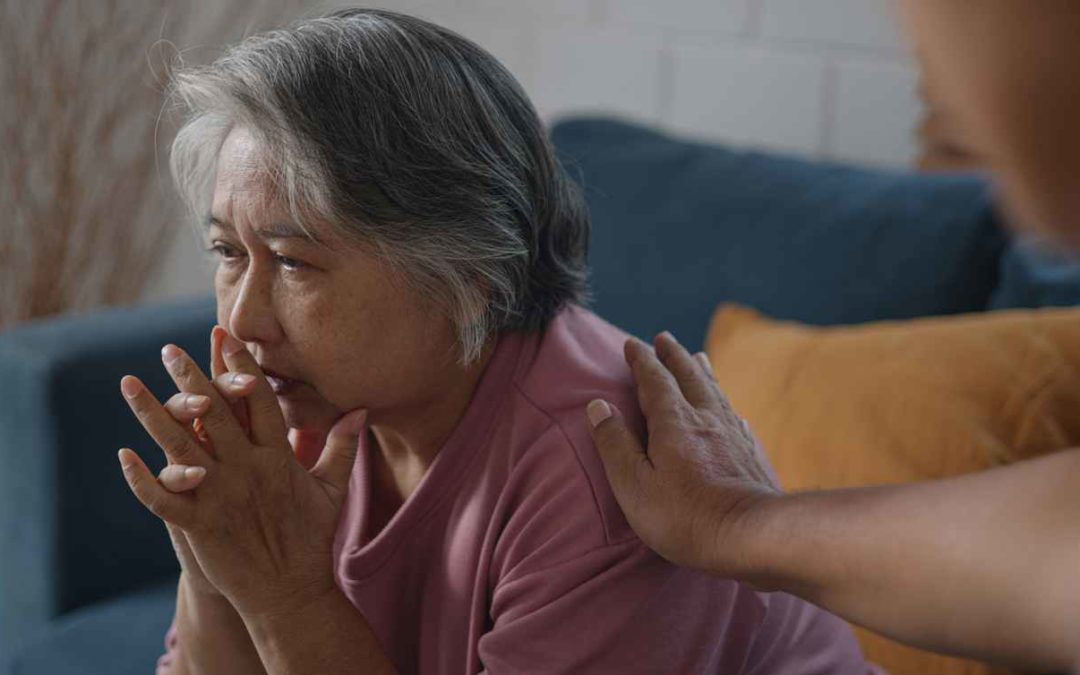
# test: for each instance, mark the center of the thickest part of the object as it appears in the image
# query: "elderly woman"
(390, 470)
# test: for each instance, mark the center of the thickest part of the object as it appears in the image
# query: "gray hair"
(406, 137)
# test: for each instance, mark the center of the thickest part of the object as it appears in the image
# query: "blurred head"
(1008, 72)
(383, 200)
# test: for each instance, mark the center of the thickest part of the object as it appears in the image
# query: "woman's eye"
(290, 263)
(224, 251)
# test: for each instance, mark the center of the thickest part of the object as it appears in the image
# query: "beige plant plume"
(86, 208)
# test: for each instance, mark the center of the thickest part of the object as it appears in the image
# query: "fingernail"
(124, 455)
(129, 386)
(193, 472)
(230, 345)
(666, 335)
(195, 402)
(241, 380)
(169, 353)
(597, 411)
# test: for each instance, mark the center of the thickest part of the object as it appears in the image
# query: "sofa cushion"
(680, 226)
(120, 637)
(902, 401)
(1034, 275)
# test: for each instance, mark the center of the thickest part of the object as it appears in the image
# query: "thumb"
(336, 462)
(619, 449)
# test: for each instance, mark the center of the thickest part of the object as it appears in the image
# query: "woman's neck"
(404, 445)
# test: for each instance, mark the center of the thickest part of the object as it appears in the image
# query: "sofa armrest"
(71, 532)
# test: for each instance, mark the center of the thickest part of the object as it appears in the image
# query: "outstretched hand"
(691, 494)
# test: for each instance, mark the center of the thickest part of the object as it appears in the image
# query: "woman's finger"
(179, 445)
(307, 445)
(172, 508)
(706, 364)
(217, 361)
(187, 407)
(336, 462)
(218, 370)
(187, 410)
(695, 386)
(234, 386)
(221, 425)
(267, 424)
(180, 478)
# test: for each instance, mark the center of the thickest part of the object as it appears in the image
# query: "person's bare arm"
(213, 638)
(324, 634)
(983, 566)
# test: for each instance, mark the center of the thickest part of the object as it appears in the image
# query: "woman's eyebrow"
(266, 232)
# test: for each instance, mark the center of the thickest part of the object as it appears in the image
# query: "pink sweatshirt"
(512, 556)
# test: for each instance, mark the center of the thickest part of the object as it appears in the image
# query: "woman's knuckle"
(142, 406)
(269, 407)
(182, 368)
(180, 445)
(217, 416)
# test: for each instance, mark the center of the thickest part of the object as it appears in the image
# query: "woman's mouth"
(281, 385)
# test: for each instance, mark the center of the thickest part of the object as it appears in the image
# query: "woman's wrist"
(199, 587)
(212, 635)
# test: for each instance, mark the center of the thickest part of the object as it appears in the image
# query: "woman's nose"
(252, 318)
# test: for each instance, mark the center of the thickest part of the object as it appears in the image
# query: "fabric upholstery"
(119, 637)
(679, 227)
(72, 532)
(1034, 276)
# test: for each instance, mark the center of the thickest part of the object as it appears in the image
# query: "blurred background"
(90, 217)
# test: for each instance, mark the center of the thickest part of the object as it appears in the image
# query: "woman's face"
(1008, 73)
(328, 323)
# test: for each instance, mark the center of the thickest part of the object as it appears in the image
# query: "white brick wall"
(747, 95)
(825, 79)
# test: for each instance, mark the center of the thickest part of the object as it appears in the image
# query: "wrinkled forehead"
(243, 184)
(248, 196)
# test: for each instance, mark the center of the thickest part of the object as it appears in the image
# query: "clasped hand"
(259, 527)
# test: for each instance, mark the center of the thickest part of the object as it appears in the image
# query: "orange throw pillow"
(903, 401)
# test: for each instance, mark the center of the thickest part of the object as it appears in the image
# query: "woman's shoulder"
(577, 358)
(556, 480)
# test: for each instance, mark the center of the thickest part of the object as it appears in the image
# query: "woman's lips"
(281, 385)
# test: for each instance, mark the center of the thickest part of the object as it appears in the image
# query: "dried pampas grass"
(87, 209)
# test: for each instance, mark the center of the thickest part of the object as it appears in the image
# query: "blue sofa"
(87, 576)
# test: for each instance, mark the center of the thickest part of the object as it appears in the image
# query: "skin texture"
(948, 565)
(254, 531)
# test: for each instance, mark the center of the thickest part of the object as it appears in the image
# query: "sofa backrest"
(679, 227)
(70, 530)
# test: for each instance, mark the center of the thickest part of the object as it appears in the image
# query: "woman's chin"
(300, 412)
(297, 415)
